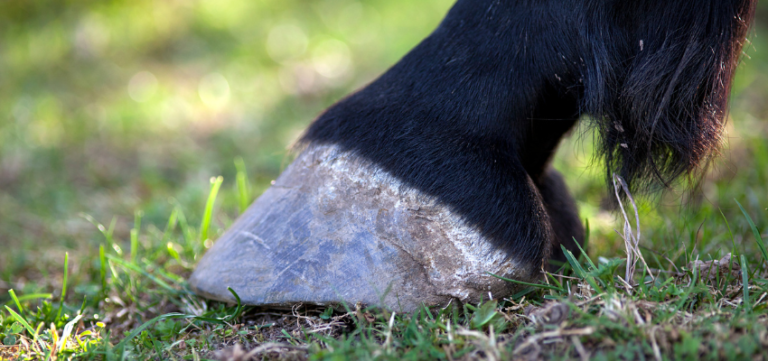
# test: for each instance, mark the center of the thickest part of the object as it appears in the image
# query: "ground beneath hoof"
(584, 326)
(279, 334)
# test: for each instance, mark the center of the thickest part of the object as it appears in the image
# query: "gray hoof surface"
(334, 228)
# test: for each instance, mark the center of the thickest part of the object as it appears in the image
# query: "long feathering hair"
(661, 114)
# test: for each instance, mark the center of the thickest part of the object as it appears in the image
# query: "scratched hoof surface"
(334, 228)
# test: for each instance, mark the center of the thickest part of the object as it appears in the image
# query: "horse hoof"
(335, 228)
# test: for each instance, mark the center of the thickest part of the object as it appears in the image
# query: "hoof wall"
(336, 229)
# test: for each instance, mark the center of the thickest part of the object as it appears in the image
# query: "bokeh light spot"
(214, 90)
(286, 42)
(91, 36)
(332, 59)
(297, 79)
(142, 86)
(349, 18)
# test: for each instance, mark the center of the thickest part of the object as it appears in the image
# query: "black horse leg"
(567, 228)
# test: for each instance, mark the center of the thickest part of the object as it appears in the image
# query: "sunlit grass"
(115, 116)
(143, 308)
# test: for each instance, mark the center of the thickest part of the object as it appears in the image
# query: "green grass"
(115, 116)
(145, 310)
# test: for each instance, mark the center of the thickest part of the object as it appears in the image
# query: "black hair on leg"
(479, 107)
(658, 82)
(563, 217)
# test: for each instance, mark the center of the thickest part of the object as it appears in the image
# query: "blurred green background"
(107, 107)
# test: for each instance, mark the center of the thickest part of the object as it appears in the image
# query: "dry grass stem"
(631, 241)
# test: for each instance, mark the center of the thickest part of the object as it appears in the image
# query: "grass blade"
(34, 296)
(137, 215)
(21, 320)
(758, 239)
(135, 236)
(580, 270)
(172, 220)
(574, 262)
(215, 185)
(67, 332)
(587, 232)
(134, 245)
(728, 225)
(239, 308)
(135, 268)
(109, 235)
(243, 193)
(172, 252)
(537, 285)
(584, 254)
(16, 301)
(103, 271)
(63, 287)
(745, 283)
(186, 230)
(82, 306)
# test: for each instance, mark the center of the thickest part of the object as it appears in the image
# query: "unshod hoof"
(335, 228)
